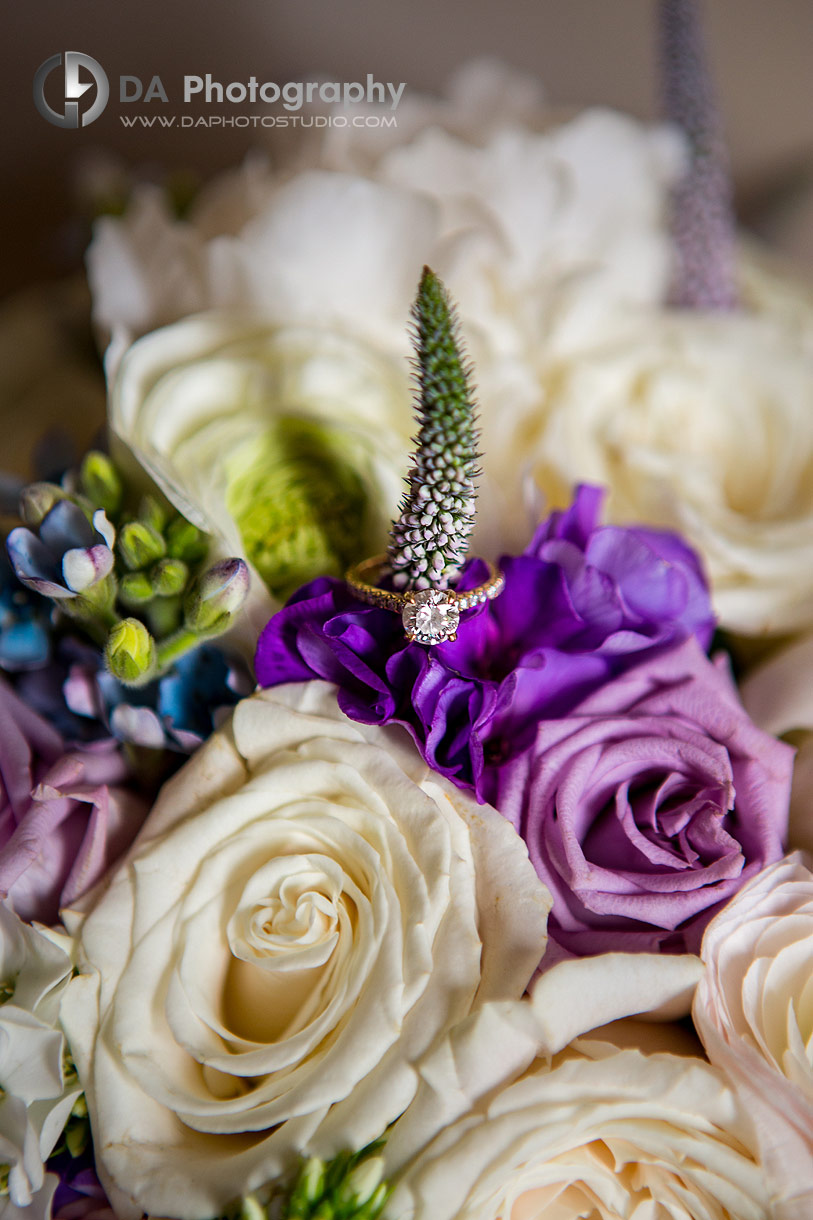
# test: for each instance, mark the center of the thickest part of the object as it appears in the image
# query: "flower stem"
(174, 647)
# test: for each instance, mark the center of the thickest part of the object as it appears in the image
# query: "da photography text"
(71, 90)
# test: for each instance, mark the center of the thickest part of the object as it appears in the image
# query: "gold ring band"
(430, 616)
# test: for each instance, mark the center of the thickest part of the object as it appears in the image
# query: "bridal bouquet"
(406, 779)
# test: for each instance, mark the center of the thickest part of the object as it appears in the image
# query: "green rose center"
(298, 502)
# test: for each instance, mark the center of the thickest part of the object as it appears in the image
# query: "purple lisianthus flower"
(646, 807)
(66, 812)
(581, 604)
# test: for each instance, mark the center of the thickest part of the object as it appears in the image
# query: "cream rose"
(604, 1133)
(702, 424)
(288, 444)
(624, 998)
(778, 696)
(753, 1008)
(306, 913)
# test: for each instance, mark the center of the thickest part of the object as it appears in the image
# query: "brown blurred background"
(582, 50)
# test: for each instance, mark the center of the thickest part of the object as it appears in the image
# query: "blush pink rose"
(753, 1009)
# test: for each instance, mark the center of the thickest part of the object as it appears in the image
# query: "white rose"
(702, 424)
(35, 1099)
(605, 1132)
(770, 284)
(482, 97)
(147, 268)
(624, 998)
(536, 234)
(550, 204)
(307, 911)
(288, 444)
(778, 696)
(753, 1010)
(539, 231)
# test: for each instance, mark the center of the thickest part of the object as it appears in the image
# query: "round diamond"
(431, 616)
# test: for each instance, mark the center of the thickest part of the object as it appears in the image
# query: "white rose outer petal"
(778, 696)
(606, 1133)
(754, 1011)
(206, 1070)
(498, 1041)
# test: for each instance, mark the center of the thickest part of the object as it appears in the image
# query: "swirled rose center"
(671, 822)
(292, 919)
(292, 928)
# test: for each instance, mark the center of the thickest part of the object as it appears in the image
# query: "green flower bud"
(252, 1209)
(185, 541)
(76, 1138)
(164, 616)
(140, 545)
(309, 1186)
(216, 597)
(153, 513)
(169, 577)
(361, 1183)
(376, 1203)
(135, 589)
(101, 482)
(37, 500)
(130, 652)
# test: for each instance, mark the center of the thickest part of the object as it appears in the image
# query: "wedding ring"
(430, 616)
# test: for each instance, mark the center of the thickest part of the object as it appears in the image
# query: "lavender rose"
(648, 806)
(65, 813)
(581, 604)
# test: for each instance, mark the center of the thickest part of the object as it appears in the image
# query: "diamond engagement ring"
(430, 616)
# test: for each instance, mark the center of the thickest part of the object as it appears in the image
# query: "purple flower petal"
(64, 815)
(66, 526)
(34, 564)
(628, 805)
(582, 604)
